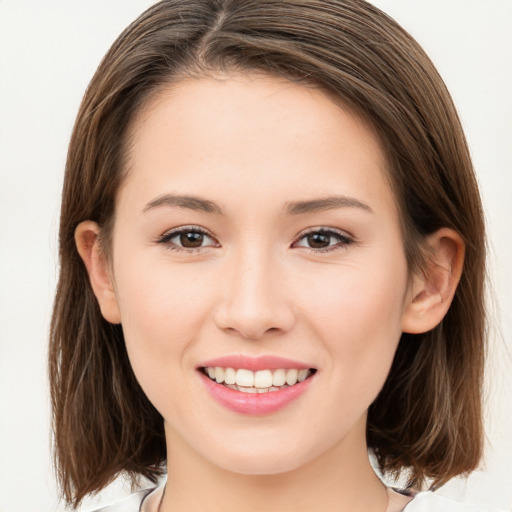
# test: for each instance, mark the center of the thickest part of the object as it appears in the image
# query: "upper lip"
(264, 362)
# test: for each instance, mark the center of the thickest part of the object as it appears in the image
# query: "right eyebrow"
(188, 202)
(324, 204)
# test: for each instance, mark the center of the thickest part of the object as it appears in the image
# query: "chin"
(259, 464)
(262, 456)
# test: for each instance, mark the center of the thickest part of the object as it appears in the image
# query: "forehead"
(255, 136)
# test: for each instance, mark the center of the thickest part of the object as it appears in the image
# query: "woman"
(272, 260)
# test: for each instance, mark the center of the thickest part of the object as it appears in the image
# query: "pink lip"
(254, 403)
(254, 363)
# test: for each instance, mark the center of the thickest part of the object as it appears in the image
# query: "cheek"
(358, 317)
(163, 311)
(155, 295)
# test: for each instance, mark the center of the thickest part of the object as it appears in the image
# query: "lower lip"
(255, 403)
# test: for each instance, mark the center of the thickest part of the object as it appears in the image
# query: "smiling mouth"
(261, 381)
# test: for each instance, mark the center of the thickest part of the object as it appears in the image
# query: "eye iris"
(191, 239)
(318, 240)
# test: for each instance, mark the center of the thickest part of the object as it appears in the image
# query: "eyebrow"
(188, 202)
(292, 208)
(324, 204)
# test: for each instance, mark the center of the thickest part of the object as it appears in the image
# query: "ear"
(432, 291)
(89, 247)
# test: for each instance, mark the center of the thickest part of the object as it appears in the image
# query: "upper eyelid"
(182, 229)
(328, 230)
(202, 230)
(171, 233)
(342, 240)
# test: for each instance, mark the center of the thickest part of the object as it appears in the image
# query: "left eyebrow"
(187, 202)
(324, 204)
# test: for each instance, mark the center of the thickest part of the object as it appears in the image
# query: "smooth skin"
(329, 287)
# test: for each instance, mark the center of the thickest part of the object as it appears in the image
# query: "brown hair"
(427, 419)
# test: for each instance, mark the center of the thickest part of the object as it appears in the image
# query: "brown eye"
(323, 240)
(318, 240)
(187, 239)
(191, 239)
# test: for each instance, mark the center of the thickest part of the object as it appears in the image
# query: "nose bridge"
(254, 300)
(253, 273)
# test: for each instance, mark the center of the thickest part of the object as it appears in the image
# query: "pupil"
(191, 239)
(318, 240)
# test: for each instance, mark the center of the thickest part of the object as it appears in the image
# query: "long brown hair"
(427, 419)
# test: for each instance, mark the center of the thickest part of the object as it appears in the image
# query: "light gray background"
(48, 53)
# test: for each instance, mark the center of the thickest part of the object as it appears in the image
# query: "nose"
(255, 300)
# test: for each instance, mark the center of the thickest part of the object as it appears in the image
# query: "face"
(256, 230)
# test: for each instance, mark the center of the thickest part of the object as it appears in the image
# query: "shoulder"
(430, 502)
(130, 504)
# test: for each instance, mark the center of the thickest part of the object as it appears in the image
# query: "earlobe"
(89, 247)
(432, 291)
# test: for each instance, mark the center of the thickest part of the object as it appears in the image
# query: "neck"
(340, 480)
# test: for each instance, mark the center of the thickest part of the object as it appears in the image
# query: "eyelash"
(343, 239)
(167, 237)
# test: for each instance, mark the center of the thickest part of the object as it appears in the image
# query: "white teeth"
(244, 389)
(302, 375)
(261, 381)
(291, 376)
(278, 377)
(230, 376)
(219, 374)
(244, 378)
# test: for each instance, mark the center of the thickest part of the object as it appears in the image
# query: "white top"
(419, 502)
(431, 502)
